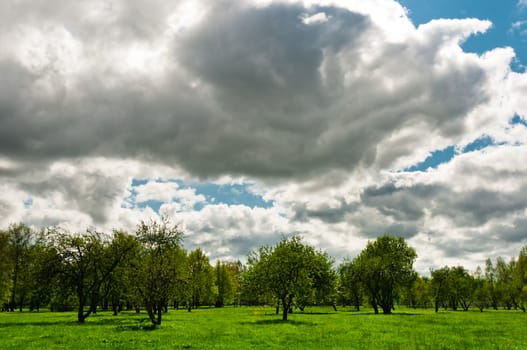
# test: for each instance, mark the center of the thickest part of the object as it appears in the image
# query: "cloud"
(254, 91)
(318, 106)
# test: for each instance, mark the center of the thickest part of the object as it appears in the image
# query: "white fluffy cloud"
(320, 103)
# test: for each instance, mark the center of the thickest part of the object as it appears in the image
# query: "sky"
(245, 121)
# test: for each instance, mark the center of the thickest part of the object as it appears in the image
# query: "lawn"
(260, 328)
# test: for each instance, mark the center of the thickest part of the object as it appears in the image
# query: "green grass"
(260, 328)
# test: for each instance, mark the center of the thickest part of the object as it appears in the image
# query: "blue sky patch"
(506, 16)
(482, 142)
(434, 160)
(445, 155)
(230, 194)
(518, 120)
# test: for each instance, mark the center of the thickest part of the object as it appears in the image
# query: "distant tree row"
(150, 270)
(500, 285)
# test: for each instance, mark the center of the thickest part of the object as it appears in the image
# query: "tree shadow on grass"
(380, 314)
(121, 324)
(37, 323)
(130, 324)
(279, 321)
(316, 313)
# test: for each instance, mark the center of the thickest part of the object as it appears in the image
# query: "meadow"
(260, 328)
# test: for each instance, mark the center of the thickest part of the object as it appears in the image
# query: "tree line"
(149, 270)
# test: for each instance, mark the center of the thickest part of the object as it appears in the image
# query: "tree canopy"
(288, 271)
(384, 266)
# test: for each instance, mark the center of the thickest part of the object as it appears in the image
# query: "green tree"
(440, 286)
(324, 280)
(491, 284)
(20, 239)
(504, 282)
(5, 268)
(462, 287)
(351, 288)
(118, 287)
(224, 284)
(88, 261)
(161, 267)
(200, 279)
(286, 271)
(418, 294)
(385, 266)
(236, 271)
(45, 263)
(481, 290)
(519, 279)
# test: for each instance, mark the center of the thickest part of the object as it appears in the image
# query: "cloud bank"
(319, 105)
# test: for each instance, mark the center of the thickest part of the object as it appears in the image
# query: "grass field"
(259, 328)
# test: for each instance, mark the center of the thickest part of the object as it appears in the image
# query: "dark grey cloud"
(93, 193)
(400, 203)
(247, 91)
(326, 213)
(473, 207)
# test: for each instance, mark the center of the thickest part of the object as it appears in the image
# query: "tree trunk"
(80, 313)
(285, 309)
(151, 313)
(386, 309)
(159, 313)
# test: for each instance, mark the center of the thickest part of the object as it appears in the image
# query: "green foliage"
(94, 271)
(161, 266)
(87, 263)
(519, 279)
(19, 239)
(5, 267)
(290, 272)
(200, 279)
(351, 288)
(385, 266)
(418, 294)
(224, 284)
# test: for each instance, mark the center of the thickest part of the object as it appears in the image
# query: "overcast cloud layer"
(319, 106)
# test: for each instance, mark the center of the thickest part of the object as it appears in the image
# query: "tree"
(20, 238)
(418, 293)
(481, 290)
(351, 288)
(87, 262)
(5, 268)
(200, 278)
(45, 262)
(440, 285)
(324, 279)
(286, 271)
(386, 265)
(236, 271)
(224, 284)
(118, 287)
(161, 268)
(491, 279)
(504, 282)
(519, 279)
(462, 287)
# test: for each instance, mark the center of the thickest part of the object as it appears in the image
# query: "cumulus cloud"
(255, 91)
(321, 104)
